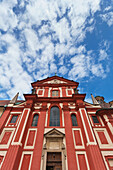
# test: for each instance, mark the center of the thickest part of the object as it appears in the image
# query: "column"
(15, 149)
(71, 157)
(4, 118)
(95, 158)
(37, 154)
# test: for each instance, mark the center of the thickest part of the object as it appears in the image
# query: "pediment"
(54, 133)
(55, 81)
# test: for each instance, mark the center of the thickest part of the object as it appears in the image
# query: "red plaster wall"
(78, 140)
(102, 137)
(82, 162)
(5, 138)
(25, 162)
(31, 138)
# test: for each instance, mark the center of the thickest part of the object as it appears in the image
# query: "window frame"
(32, 120)
(57, 121)
(76, 120)
(11, 119)
(55, 90)
(48, 120)
(99, 123)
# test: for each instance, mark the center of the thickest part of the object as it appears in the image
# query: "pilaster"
(15, 149)
(71, 157)
(36, 161)
(93, 152)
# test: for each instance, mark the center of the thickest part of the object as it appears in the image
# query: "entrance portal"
(54, 161)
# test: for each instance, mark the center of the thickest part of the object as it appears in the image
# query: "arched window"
(74, 120)
(35, 120)
(54, 116)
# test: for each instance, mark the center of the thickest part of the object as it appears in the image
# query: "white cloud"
(108, 17)
(98, 70)
(48, 35)
(63, 70)
(103, 55)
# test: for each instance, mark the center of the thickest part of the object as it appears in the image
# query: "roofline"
(104, 111)
(54, 77)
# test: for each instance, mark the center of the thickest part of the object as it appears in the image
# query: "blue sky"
(73, 38)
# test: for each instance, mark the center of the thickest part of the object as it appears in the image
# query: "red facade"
(55, 129)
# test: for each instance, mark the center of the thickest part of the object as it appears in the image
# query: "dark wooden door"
(54, 161)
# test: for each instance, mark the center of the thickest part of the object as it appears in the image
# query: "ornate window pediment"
(54, 133)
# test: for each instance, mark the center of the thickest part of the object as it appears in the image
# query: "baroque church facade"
(54, 128)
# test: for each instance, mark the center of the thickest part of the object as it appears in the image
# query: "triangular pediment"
(54, 133)
(55, 80)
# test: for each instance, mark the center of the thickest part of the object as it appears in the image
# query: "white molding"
(49, 91)
(106, 153)
(28, 109)
(89, 142)
(76, 146)
(67, 92)
(104, 146)
(43, 90)
(2, 135)
(60, 91)
(8, 120)
(82, 153)
(2, 153)
(26, 153)
(30, 147)
(63, 118)
(15, 113)
(86, 133)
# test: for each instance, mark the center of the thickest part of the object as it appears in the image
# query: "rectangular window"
(55, 93)
(95, 119)
(14, 119)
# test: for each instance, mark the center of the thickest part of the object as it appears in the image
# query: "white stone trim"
(49, 91)
(91, 112)
(2, 153)
(46, 121)
(104, 154)
(110, 144)
(73, 112)
(13, 143)
(67, 92)
(15, 113)
(82, 153)
(8, 120)
(60, 91)
(30, 147)
(108, 123)
(62, 118)
(26, 153)
(43, 90)
(35, 112)
(86, 129)
(49, 129)
(80, 146)
(3, 132)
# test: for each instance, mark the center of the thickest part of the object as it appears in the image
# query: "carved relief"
(55, 81)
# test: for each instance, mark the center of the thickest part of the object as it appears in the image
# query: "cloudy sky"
(71, 37)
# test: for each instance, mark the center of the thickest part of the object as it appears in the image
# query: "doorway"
(54, 161)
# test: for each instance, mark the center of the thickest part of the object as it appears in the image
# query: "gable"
(54, 133)
(55, 80)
